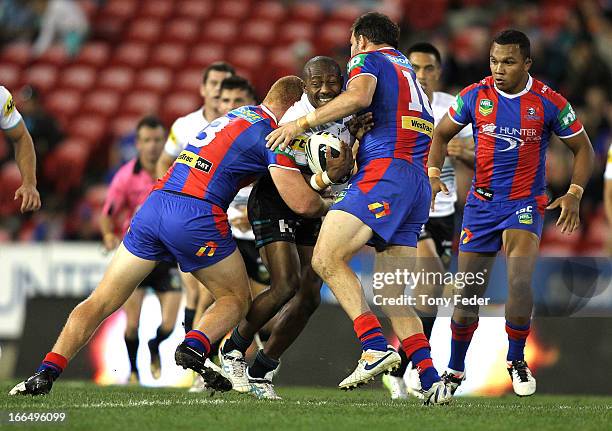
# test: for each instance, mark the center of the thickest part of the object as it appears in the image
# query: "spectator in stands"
(16, 20)
(62, 20)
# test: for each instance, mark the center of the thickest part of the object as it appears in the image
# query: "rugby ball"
(316, 146)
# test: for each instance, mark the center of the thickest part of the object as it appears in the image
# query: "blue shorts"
(392, 198)
(173, 227)
(484, 222)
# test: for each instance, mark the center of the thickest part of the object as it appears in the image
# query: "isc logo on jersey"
(525, 215)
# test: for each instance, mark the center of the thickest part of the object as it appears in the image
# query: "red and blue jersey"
(403, 119)
(225, 156)
(511, 135)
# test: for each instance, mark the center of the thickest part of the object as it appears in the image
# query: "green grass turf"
(89, 407)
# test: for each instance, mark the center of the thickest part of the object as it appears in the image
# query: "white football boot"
(523, 383)
(371, 364)
(396, 386)
(413, 382)
(439, 393)
(263, 388)
(235, 368)
(453, 378)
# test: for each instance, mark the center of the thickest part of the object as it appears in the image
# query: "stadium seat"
(64, 104)
(109, 29)
(134, 54)
(102, 102)
(347, 13)
(66, 165)
(170, 55)
(270, 10)
(90, 128)
(198, 9)
(202, 55)
(123, 125)
(425, 14)
(247, 56)
(78, 77)
(282, 62)
(146, 30)
(16, 53)
(178, 104)
(124, 9)
(119, 78)
(188, 80)
(4, 147)
(141, 103)
(43, 76)
(293, 31)
(333, 34)
(10, 75)
(56, 55)
(222, 31)
(94, 54)
(233, 9)
(10, 178)
(183, 30)
(162, 9)
(157, 79)
(307, 12)
(259, 31)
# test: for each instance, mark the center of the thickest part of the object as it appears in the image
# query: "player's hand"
(360, 125)
(455, 148)
(339, 167)
(30, 199)
(436, 186)
(241, 222)
(111, 241)
(283, 136)
(569, 220)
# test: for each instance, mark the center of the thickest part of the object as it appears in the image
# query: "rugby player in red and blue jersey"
(387, 201)
(184, 219)
(512, 117)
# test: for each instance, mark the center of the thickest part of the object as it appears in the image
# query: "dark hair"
(150, 121)
(426, 48)
(324, 62)
(514, 37)
(238, 82)
(377, 28)
(219, 66)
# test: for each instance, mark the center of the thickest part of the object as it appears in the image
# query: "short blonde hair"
(285, 92)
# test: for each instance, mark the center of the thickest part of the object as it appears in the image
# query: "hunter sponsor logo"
(485, 193)
(418, 125)
(193, 160)
(485, 107)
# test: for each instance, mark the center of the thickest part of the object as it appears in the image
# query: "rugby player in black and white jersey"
(436, 239)
(286, 242)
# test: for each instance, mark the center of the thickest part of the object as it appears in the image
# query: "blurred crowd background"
(83, 72)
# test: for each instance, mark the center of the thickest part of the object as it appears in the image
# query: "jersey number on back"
(415, 89)
(209, 132)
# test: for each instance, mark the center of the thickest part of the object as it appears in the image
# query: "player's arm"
(443, 133)
(358, 96)
(462, 149)
(172, 149)
(26, 161)
(302, 199)
(163, 163)
(113, 204)
(337, 168)
(584, 157)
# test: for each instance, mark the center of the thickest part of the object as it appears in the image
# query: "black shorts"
(254, 265)
(440, 229)
(164, 278)
(272, 220)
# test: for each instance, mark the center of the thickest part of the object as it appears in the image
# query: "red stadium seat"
(293, 31)
(183, 30)
(307, 12)
(260, 31)
(66, 165)
(56, 55)
(198, 9)
(102, 102)
(347, 13)
(178, 104)
(43, 76)
(247, 56)
(168, 55)
(134, 54)
(123, 125)
(270, 10)
(94, 54)
(79, 77)
(425, 14)
(234, 9)
(141, 103)
(156, 78)
(64, 103)
(109, 29)
(202, 55)
(124, 9)
(9, 75)
(10, 178)
(145, 30)
(333, 34)
(118, 78)
(220, 30)
(91, 128)
(16, 53)
(282, 61)
(188, 80)
(161, 9)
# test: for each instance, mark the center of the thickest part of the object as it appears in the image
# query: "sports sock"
(214, 348)
(428, 323)
(262, 365)
(198, 341)
(236, 342)
(160, 336)
(460, 342)
(517, 336)
(54, 363)
(189, 316)
(368, 330)
(417, 349)
(401, 370)
(132, 349)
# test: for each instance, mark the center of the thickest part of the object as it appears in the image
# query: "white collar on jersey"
(266, 110)
(512, 96)
(385, 47)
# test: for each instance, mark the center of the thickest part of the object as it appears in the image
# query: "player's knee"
(285, 282)
(520, 282)
(322, 264)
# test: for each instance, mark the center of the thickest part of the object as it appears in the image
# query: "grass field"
(89, 407)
